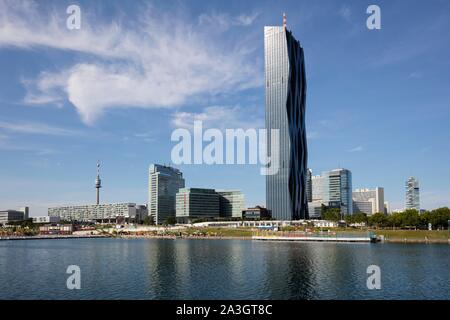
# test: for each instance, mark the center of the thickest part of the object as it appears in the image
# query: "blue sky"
(378, 101)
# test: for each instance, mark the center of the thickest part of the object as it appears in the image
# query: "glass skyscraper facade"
(412, 194)
(163, 185)
(285, 110)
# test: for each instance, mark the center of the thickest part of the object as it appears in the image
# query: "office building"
(26, 212)
(285, 102)
(315, 209)
(412, 194)
(195, 203)
(334, 189)
(164, 183)
(368, 201)
(8, 216)
(102, 213)
(232, 202)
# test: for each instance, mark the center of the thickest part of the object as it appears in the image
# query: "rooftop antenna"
(284, 20)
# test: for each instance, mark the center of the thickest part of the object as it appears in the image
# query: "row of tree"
(438, 218)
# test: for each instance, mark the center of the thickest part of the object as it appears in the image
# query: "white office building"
(368, 201)
(103, 213)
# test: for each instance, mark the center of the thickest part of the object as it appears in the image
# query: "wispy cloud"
(223, 21)
(345, 13)
(161, 62)
(36, 128)
(356, 149)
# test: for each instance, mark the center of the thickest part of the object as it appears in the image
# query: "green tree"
(148, 220)
(171, 221)
(439, 217)
(332, 214)
(378, 220)
(410, 218)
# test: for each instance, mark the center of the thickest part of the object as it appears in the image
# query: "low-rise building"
(8, 216)
(325, 224)
(196, 203)
(256, 213)
(232, 202)
(103, 213)
(46, 219)
(65, 229)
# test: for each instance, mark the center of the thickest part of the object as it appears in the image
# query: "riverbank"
(51, 237)
(385, 236)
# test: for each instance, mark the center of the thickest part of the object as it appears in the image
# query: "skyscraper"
(285, 84)
(412, 194)
(163, 185)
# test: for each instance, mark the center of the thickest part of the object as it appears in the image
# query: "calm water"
(220, 269)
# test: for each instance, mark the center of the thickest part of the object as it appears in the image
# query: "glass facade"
(334, 187)
(285, 84)
(164, 183)
(232, 202)
(195, 203)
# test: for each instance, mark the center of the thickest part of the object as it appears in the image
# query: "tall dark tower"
(98, 183)
(285, 86)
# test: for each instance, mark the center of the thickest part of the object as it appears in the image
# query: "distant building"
(256, 213)
(232, 202)
(334, 187)
(8, 216)
(26, 212)
(103, 213)
(368, 201)
(387, 208)
(163, 185)
(196, 203)
(46, 219)
(412, 194)
(315, 209)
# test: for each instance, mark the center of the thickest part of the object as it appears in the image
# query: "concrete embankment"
(51, 237)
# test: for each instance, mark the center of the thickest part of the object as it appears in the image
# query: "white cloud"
(162, 62)
(220, 117)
